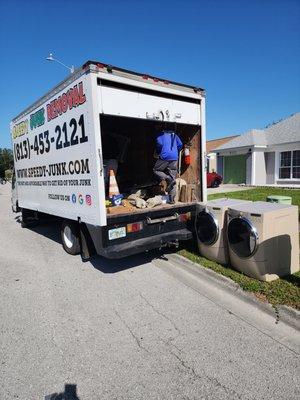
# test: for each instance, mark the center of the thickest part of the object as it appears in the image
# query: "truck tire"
(70, 237)
(216, 183)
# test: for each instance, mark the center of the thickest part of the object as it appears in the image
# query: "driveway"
(228, 187)
(145, 327)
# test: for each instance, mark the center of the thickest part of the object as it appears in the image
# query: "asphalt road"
(139, 328)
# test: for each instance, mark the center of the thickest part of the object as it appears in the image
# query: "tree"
(6, 161)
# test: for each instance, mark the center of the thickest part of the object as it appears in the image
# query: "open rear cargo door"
(140, 102)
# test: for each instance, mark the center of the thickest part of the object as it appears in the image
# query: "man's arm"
(179, 143)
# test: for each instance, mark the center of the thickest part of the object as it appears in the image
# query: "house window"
(289, 165)
(296, 164)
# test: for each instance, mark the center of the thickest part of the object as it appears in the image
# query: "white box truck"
(63, 143)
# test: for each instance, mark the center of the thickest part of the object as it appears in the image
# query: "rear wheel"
(70, 237)
(215, 183)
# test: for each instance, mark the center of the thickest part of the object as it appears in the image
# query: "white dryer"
(263, 239)
(211, 228)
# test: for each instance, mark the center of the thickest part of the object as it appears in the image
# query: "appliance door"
(207, 228)
(242, 237)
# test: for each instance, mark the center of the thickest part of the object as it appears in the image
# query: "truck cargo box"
(65, 143)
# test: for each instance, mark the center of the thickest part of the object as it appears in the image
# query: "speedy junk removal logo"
(20, 129)
(37, 119)
(74, 97)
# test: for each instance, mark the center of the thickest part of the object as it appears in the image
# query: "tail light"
(135, 227)
(184, 217)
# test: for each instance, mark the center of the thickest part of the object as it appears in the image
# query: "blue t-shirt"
(168, 145)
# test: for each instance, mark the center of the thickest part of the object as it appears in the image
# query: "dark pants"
(167, 170)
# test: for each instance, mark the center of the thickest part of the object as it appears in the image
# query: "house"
(211, 157)
(269, 156)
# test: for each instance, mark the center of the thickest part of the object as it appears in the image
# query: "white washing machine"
(263, 239)
(211, 228)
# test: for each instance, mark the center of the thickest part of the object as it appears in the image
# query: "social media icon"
(88, 199)
(74, 198)
(80, 199)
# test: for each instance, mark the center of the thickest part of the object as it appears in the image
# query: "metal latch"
(151, 221)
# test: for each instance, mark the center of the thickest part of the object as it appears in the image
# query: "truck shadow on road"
(51, 230)
(112, 266)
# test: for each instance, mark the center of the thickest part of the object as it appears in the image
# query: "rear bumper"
(143, 244)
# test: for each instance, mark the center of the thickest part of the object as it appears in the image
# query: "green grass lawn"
(260, 194)
(282, 291)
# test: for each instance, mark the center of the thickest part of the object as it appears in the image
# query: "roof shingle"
(285, 131)
(212, 144)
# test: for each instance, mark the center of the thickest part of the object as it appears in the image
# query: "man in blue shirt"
(168, 146)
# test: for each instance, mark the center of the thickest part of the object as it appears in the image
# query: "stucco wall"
(248, 168)
(270, 167)
(262, 167)
(260, 173)
(212, 162)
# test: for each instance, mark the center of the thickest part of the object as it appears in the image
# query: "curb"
(290, 316)
(281, 313)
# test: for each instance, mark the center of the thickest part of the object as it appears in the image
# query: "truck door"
(138, 102)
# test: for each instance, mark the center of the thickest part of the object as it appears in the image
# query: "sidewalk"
(229, 187)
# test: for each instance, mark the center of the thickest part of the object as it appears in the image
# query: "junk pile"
(140, 198)
(137, 198)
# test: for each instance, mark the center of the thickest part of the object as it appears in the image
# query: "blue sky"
(246, 54)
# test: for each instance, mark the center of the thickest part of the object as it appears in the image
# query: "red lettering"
(75, 96)
(81, 94)
(70, 98)
(49, 113)
(58, 105)
(54, 112)
(64, 103)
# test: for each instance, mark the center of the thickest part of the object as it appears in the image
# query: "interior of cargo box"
(128, 148)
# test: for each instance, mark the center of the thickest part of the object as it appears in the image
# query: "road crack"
(179, 333)
(215, 381)
(136, 339)
(183, 363)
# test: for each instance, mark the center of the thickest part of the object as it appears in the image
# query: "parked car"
(213, 179)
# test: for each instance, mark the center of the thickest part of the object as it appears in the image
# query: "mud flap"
(87, 249)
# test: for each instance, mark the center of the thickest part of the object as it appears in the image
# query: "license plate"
(117, 233)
